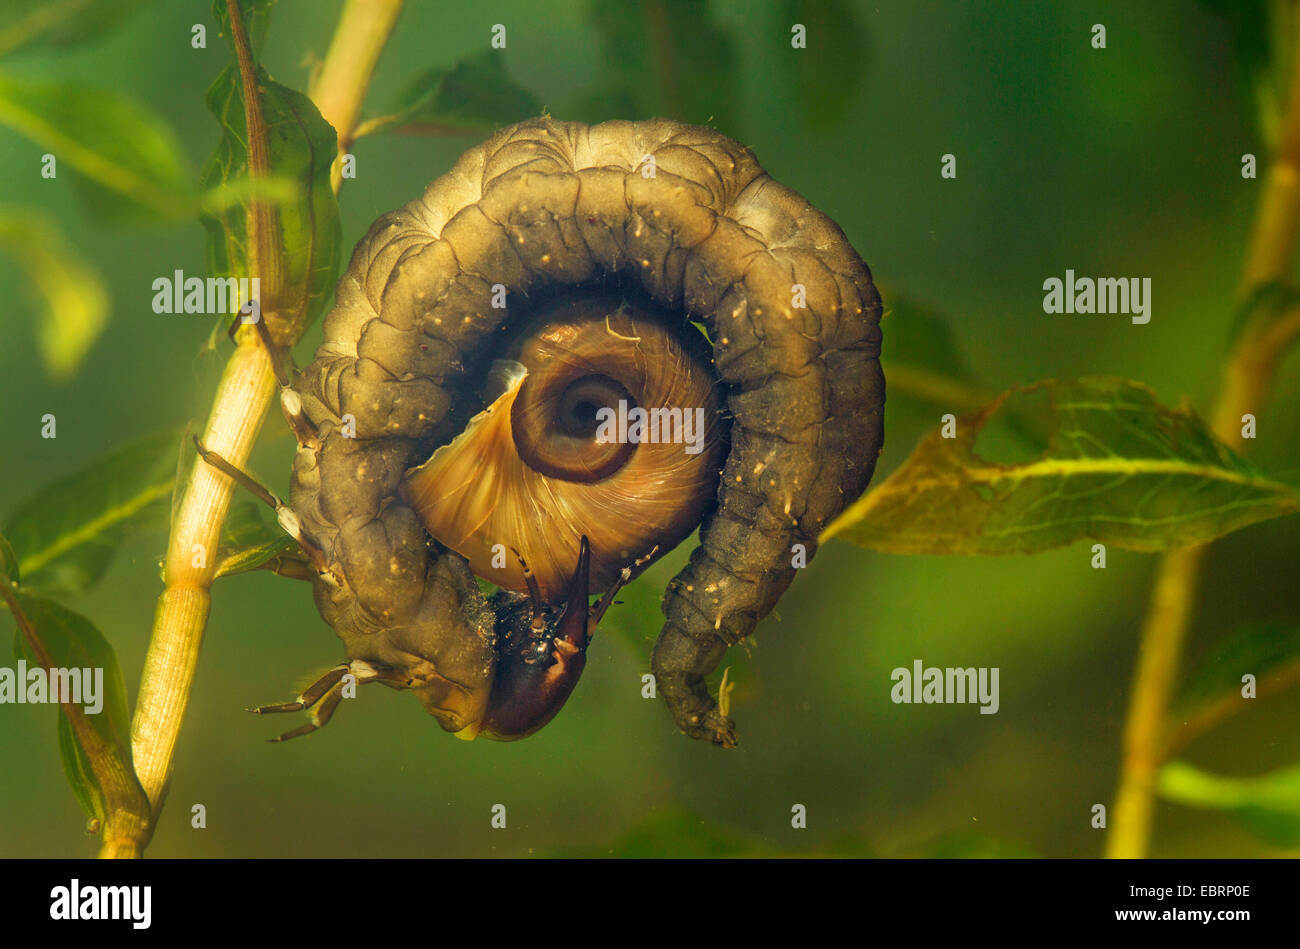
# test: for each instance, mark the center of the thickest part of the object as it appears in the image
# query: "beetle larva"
(655, 215)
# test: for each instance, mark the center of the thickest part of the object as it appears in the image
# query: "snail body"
(604, 242)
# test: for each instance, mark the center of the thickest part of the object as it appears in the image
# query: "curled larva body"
(689, 218)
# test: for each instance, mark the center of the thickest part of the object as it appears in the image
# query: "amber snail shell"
(530, 471)
(681, 215)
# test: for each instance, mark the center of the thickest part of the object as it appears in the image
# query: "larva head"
(542, 650)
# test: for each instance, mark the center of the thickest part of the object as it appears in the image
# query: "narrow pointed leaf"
(69, 292)
(256, 17)
(1268, 804)
(473, 95)
(65, 535)
(35, 23)
(73, 642)
(302, 146)
(1256, 650)
(119, 154)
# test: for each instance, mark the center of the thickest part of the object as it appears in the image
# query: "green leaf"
(924, 365)
(127, 163)
(475, 94)
(1257, 650)
(669, 58)
(80, 775)
(8, 560)
(68, 290)
(66, 534)
(239, 191)
(302, 146)
(1269, 804)
(826, 75)
(73, 642)
(248, 542)
(1113, 466)
(35, 23)
(256, 16)
(1261, 33)
(922, 360)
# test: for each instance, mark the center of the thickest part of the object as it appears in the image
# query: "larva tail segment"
(680, 662)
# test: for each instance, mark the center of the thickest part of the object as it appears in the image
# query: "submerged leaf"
(73, 300)
(29, 23)
(256, 17)
(1268, 804)
(124, 158)
(302, 146)
(80, 775)
(65, 535)
(1256, 650)
(1114, 466)
(248, 542)
(922, 360)
(475, 94)
(73, 642)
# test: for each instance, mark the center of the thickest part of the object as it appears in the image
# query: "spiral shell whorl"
(545, 203)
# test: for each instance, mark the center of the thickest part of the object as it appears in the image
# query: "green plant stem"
(338, 89)
(243, 396)
(1246, 383)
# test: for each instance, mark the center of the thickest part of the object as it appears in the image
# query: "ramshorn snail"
(557, 279)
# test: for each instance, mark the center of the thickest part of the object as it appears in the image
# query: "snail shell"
(536, 471)
(687, 216)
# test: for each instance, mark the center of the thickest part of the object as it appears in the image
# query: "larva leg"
(290, 402)
(322, 697)
(292, 566)
(320, 716)
(283, 513)
(310, 695)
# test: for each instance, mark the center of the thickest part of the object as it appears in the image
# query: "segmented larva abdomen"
(690, 215)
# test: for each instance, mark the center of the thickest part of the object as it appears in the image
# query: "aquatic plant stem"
(243, 396)
(1244, 390)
